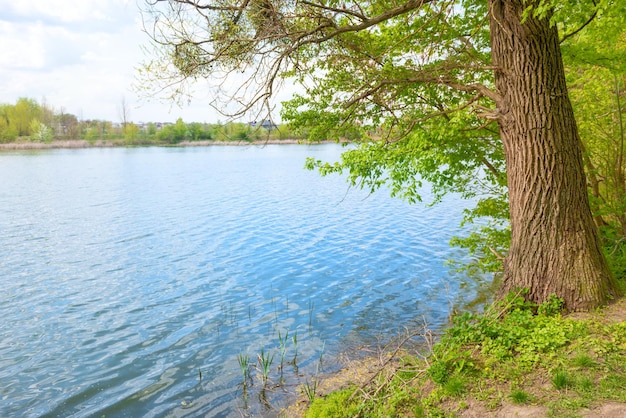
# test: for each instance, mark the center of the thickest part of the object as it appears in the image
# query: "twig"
(383, 366)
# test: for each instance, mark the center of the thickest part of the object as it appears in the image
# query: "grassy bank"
(516, 359)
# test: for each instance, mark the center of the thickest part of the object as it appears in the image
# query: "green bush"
(509, 330)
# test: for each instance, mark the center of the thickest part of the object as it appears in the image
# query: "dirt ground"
(607, 410)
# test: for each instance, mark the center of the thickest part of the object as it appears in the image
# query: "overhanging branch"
(569, 35)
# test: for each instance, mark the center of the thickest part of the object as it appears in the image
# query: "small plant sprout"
(295, 347)
(282, 341)
(244, 365)
(310, 389)
(264, 363)
(275, 310)
(232, 313)
(319, 365)
(311, 306)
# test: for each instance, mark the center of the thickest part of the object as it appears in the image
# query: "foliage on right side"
(514, 353)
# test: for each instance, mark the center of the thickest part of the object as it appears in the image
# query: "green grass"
(583, 361)
(514, 353)
(455, 386)
(519, 397)
(562, 380)
(584, 384)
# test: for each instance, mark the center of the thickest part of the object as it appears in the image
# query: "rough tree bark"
(554, 246)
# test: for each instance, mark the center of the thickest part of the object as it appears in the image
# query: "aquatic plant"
(319, 364)
(264, 362)
(244, 365)
(311, 306)
(310, 389)
(282, 341)
(295, 349)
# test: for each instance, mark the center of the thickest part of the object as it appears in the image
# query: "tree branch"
(365, 24)
(343, 10)
(569, 35)
(226, 44)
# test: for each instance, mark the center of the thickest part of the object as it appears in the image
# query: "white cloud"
(82, 56)
(67, 11)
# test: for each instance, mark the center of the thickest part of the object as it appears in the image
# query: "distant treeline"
(28, 120)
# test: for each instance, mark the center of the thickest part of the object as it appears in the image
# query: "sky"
(81, 56)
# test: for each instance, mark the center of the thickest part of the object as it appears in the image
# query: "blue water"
(132, 279)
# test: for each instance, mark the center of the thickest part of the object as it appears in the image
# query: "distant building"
(266, 124)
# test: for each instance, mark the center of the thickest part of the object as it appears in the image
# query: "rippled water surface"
(133, 279)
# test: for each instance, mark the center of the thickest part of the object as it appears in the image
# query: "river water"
(134, 281)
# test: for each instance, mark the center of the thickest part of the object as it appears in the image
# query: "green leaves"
(40, 132)
(595, 35)
(596, 63)
(515, 332)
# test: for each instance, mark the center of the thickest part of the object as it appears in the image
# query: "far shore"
(81, 143)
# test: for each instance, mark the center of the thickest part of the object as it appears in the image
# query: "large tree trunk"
(554, 244)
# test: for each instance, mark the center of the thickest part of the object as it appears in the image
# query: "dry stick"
(393, 374)
(383, 366)
(390, 377)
